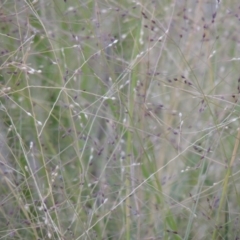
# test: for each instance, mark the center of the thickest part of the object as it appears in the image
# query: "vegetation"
(119, 120)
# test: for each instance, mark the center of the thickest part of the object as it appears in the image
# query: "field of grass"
(119, 120)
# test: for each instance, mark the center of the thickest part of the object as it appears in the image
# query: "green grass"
(119, 120)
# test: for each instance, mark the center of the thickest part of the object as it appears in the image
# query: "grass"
(119, 120)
